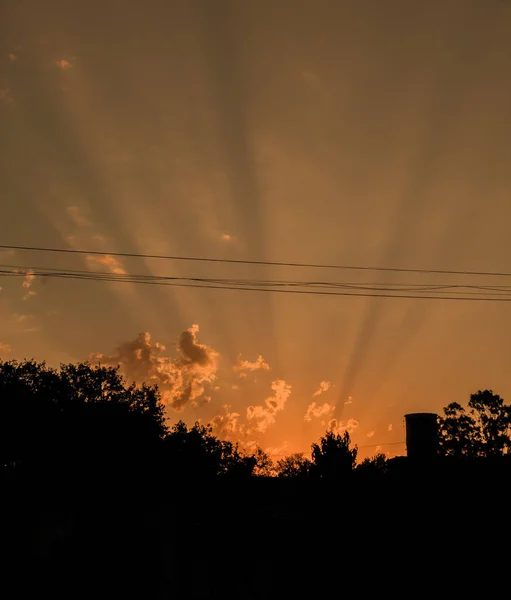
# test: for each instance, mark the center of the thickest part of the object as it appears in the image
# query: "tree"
(76, 417)
(196, 454)
(374, 466)
(264, 466)
(333, 458)
(295, 465)
(483, 430)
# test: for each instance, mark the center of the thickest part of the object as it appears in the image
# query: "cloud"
(339, 427)
(226, 236)
(4, 348)
(225, 425)
(23, 318)
(29, 278)
(27, 284)
(316, 410)
(85, 235)
(63, 64)
(26, 321)
(349, 400)
(76, 215)
(181, 380)
(277, 451)
(324, 386)
(389, 428)
(248, 446)
(12, 57)
(370, 434)
(263, 416)
(245, 366)
(112, 264)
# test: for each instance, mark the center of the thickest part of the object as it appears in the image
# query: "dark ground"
(418, 535)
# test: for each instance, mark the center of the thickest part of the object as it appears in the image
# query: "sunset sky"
(372, 133)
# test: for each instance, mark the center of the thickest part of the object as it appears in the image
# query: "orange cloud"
(245, 366)
(12, 57)
(27, 284)
(226, 236)
(106, 260)
(225, 425)
(63, 64)
(339, 427)
(277, 451)
(263, 416)
(23, 318)
(181, 380)
(316, 410)
(370, 434)
(389, 428)
(4, 348)
(76, 215)
(324, 386)
(349, 400)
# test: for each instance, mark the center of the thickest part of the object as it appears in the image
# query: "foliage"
(295, 465)
(332, 458)
(264, 466)
(196, 453)
(482, 430)
(82, 418)
(373, 466)
(75, 416)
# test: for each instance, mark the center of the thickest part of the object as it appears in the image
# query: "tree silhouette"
(264, 466)
(197, 454)
(375, 466)
(295, 465)
(332, 458)
(80, 419)
(482, 431)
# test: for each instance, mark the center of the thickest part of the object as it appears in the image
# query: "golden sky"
(321, 131)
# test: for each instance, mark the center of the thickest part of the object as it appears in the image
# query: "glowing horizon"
(330, 134)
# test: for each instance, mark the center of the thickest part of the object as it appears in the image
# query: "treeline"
(83, 422)
(107, 501)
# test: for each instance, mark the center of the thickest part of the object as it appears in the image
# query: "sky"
(357, 132)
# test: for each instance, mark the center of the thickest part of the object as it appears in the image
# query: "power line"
(252, 286)
(23, 270)
(387, 444)
(254, 262)
(285, 455)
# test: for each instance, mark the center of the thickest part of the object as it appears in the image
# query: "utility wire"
(253, 286)
(387, 444)
(23, 270)
(364, 446)
(253, 262)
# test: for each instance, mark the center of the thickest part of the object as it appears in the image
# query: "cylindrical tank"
(421, 436)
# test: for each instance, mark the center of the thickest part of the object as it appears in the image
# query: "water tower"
(421, 436)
